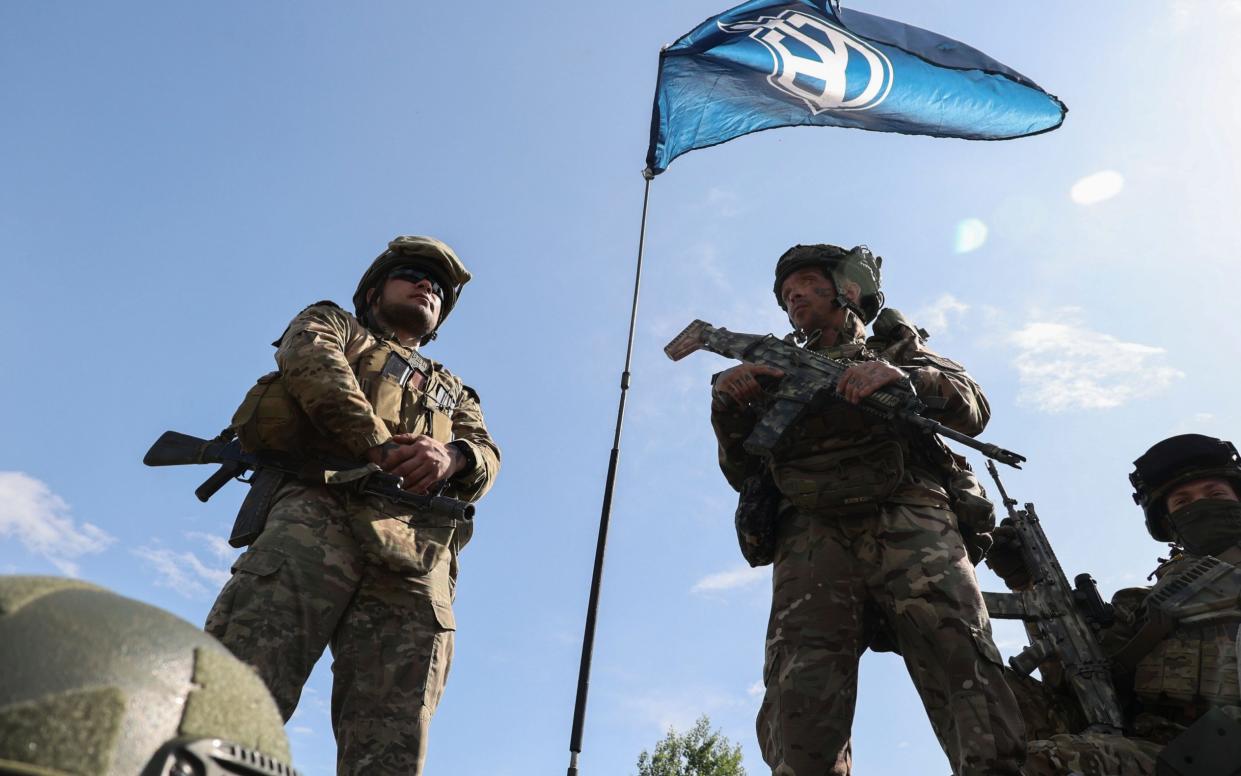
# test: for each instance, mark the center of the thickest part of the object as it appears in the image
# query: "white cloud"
(1098, 187)
(218, 546)
(184, 572)
(40, 520)
(756, 690)
(1063, 365)
(935, 316)
(742, 576)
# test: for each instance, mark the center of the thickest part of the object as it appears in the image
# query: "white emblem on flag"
(813, 58)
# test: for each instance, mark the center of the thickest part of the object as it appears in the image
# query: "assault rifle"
(1063, 619)
(810, 380)
(271, 469)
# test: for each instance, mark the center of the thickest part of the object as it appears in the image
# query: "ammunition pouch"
(758, 513)
(270, 419)
(975, 512)
(844, 481)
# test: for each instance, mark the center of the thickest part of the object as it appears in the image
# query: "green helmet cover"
(857, 265)
(95, 683)
(1173, 462)
(414, 251)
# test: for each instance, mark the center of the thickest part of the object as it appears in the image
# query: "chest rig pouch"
(409, 396)
(849, 480)
(841, 461)
(1194, 615)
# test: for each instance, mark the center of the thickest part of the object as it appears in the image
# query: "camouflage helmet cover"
(1174, 462)
(857, 265)
(414, 251)
(98, 683)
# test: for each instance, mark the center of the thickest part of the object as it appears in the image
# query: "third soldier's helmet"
(1174, 462)
(96, 684)
(857, 265)
(414, 251)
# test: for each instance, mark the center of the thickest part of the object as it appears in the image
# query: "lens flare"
(971, 234)
(1097, 187)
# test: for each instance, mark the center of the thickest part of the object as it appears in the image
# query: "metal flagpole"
(592, 608)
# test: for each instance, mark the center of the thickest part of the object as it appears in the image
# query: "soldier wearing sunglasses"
(356, 572)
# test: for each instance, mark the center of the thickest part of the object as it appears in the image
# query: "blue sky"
(177, 182)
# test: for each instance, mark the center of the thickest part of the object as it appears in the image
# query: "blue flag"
(781, 63)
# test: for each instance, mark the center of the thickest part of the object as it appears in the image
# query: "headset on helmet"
(1174, 462)
(414, 251)
(857, 265)
(97, 683)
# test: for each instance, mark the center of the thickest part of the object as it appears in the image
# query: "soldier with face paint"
(1173, 646)
(360, 573)
(869, 550)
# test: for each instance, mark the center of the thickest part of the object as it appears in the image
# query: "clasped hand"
(420, 461)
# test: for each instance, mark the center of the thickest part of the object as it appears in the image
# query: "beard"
(407, 317)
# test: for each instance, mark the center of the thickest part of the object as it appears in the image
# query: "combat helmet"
(95, 683)
(414, 251)
(857, 265)
(1174, 462)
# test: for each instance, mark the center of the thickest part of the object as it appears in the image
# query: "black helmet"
(95, 683)
(857, 265)
(1174, 462)
(414, 251)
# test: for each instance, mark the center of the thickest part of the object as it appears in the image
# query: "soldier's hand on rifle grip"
(743, 383)
(861, 380)
(1004, 557)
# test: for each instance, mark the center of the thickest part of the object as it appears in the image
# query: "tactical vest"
(1195, 665)
(405, 390)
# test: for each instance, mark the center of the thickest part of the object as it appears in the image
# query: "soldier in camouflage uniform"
(1169, 671)
(358, 573)
(868, 545)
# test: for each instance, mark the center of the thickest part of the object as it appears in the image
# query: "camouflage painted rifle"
(271, 469)
(1063, 619)
(810, 379)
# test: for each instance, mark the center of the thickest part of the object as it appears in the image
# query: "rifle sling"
(1151, 633)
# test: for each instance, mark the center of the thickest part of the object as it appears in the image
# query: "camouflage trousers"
(1091, 754)
(836, 580)
(306, 584)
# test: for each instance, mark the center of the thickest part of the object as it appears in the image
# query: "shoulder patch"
(473, 394)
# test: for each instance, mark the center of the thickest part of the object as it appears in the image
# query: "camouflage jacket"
(317, 356)
(839, 430)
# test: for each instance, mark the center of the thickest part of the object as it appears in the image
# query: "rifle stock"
(175, 449)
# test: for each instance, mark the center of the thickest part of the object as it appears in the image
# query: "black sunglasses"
(416, 275)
